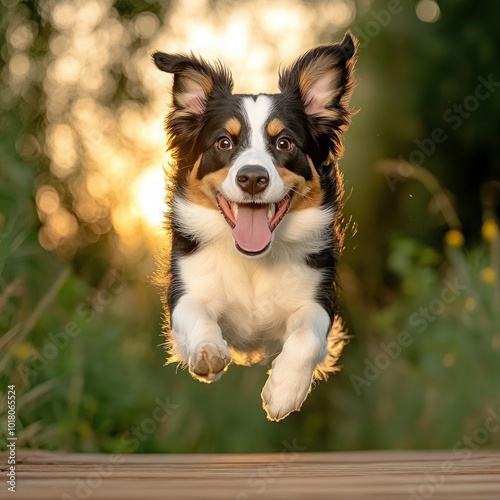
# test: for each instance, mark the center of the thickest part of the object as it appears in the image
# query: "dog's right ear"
(195, 81)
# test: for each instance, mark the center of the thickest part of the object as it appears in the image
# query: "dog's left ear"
(323, 79)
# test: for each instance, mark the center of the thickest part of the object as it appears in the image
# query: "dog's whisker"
(301, 194)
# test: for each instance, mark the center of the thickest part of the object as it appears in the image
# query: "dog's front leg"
(198, 340)
(292, 371)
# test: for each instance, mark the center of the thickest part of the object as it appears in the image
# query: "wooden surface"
(290, 475)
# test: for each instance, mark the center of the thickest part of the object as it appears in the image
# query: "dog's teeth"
(270, 211)
(234, 208)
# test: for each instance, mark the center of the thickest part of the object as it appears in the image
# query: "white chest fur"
(251, 299)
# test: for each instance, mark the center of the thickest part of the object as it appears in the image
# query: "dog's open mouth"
(253, 223)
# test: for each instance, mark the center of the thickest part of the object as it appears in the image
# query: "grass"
(85, 356)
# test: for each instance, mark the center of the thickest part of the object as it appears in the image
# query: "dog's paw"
(208, 362)
(285, 391)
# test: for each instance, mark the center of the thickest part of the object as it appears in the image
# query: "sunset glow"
(149, 193)
(101, 155)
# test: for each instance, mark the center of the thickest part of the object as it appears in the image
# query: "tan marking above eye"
(233, 126)
(275, 127)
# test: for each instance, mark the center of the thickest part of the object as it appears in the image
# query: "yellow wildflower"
(489, 230)
(454, 238)
(488, 275)
(22, 351)
(84, 428)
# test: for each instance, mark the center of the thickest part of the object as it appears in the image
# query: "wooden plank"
(378, 475)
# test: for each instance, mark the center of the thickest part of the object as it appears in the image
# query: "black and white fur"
(224, 303)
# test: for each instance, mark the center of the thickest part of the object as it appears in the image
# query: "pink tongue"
(252, 233)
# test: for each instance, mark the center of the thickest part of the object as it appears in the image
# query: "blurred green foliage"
(80, 336)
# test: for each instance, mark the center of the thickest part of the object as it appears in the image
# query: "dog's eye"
(284, 144)
(224, 143)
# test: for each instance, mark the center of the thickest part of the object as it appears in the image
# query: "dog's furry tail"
(337, 340)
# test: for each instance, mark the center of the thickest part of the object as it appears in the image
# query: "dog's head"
(256, 158)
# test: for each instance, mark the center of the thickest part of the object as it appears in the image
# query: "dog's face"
(256, 158)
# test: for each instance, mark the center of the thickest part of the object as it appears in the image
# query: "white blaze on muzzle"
(254, 219)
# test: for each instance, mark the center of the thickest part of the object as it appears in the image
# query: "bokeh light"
(428, 11)
(150, 196)
(82, 167)
(105, 101)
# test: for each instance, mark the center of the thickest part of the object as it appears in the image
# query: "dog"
(254, 216)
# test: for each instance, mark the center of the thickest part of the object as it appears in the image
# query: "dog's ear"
(194, 80)
(195, 83)
(323, 79)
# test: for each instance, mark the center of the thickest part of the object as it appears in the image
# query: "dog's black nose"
(252, 179)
